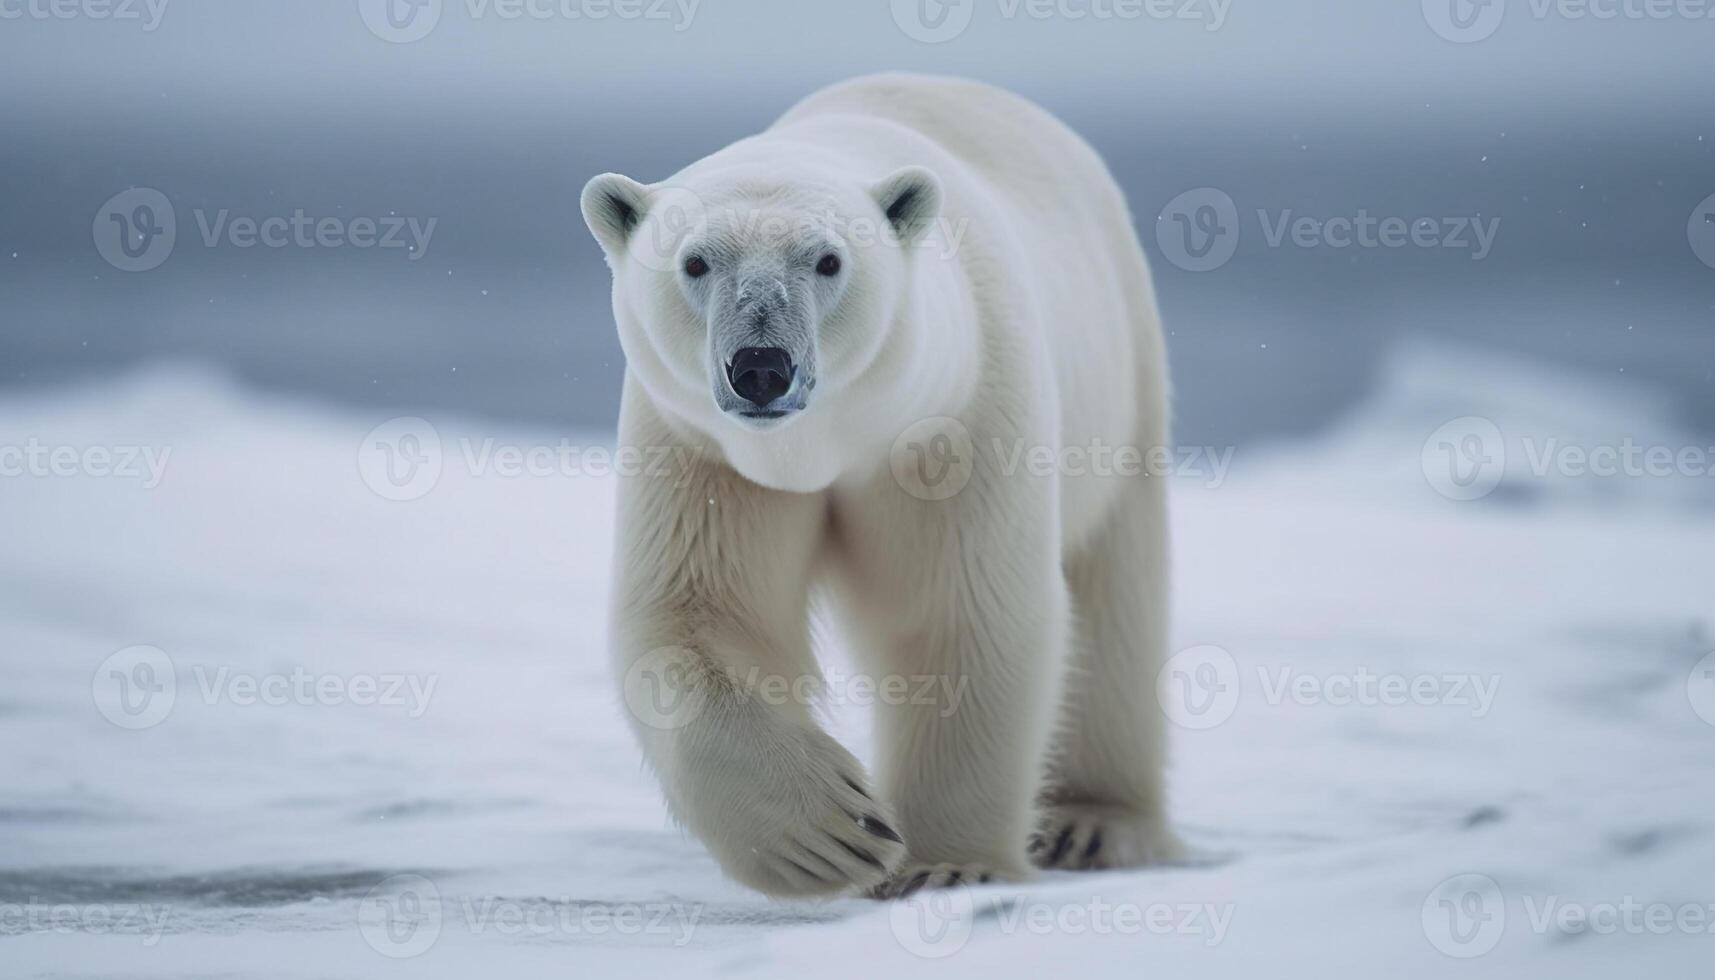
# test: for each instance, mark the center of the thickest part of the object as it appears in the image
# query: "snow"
(1411, 689)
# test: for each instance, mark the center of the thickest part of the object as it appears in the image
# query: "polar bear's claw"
(1090, 837)
(861, 854)
(917, 877)
(880, 829)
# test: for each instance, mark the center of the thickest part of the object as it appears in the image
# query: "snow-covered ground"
(259, 720)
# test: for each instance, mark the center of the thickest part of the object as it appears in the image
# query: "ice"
(242, 838)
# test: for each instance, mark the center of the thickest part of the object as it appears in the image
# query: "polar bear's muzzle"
(761, 375)
(763, 352)
(763, 385)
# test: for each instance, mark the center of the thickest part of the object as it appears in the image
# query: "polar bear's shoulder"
(987, 127)
(929, 101)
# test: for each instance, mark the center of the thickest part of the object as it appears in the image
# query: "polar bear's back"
(1019, 149)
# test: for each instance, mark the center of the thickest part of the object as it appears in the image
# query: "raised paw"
(914, 878)
(1089, 837)
(812, 829)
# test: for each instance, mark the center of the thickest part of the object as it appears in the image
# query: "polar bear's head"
(751, 299)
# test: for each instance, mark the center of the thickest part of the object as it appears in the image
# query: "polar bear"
(851, 341)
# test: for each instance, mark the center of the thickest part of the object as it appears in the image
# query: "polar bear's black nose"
(760, 374)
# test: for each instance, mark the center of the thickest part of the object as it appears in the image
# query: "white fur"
(1016, 300)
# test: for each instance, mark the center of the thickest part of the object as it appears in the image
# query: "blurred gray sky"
(1584, 126)
(270, 55)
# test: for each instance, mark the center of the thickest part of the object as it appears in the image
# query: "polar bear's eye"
(829, 266)
(695, 267)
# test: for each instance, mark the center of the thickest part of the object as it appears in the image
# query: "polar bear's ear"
(911, 199)
(613, 205)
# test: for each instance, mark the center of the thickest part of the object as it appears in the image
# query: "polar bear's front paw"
(1089, 837)
(813, 831)
(914, 878)
(829, 844)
